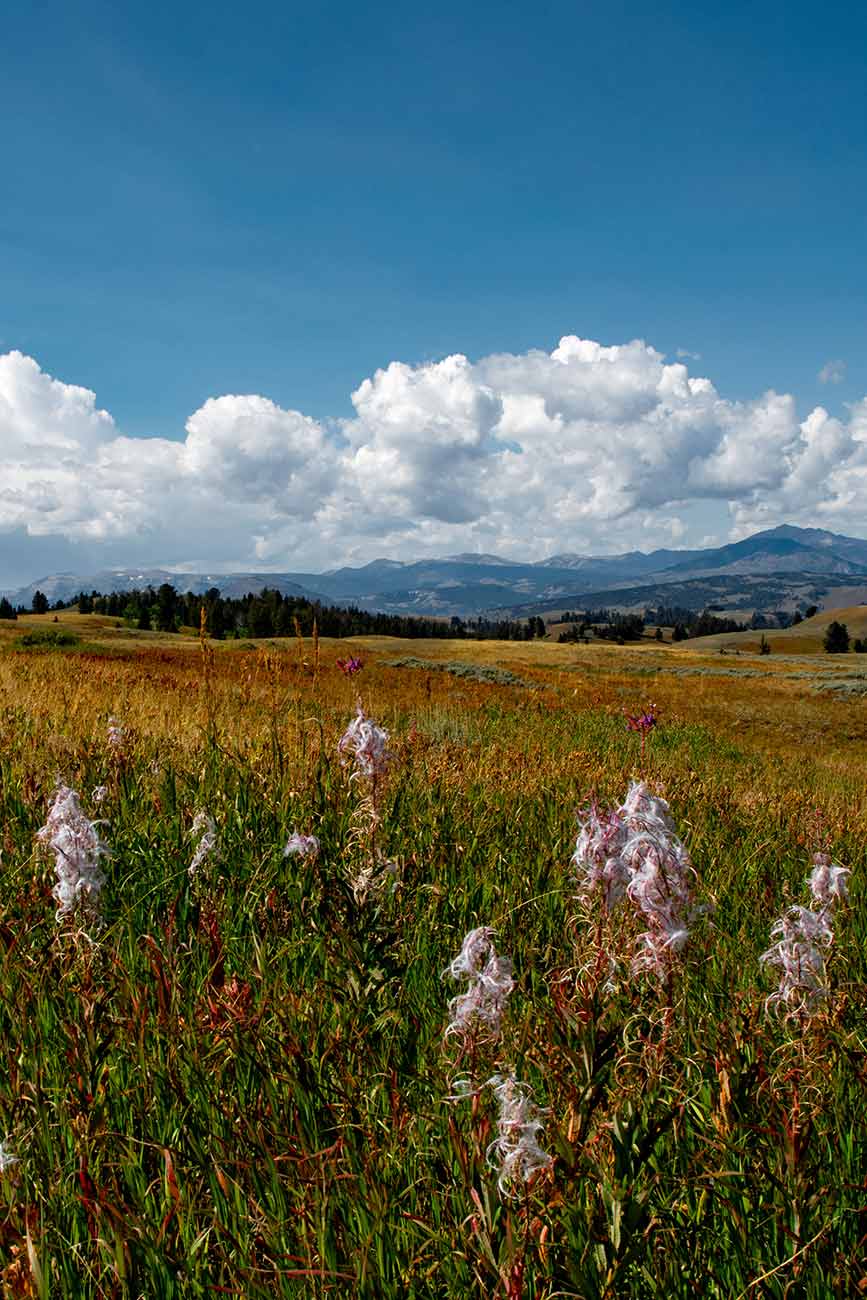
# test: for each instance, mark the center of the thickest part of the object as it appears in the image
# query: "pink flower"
(643, 722)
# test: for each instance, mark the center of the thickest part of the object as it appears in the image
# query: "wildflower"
(803, 937)
(77, 849)
(349, 667)
(798, 953)
(99, 794)
(116, 735)
(203, 826)
(306, 846)
(370, 880)
(368, 746)
(490, 983)
(598, 853)
(7, 1157)
(643, 722)
(516, 1150)
(828, 883)
(635, 852)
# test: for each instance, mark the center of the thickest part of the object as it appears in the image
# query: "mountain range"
(775, 569)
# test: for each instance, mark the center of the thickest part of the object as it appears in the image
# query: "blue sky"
(279, 199)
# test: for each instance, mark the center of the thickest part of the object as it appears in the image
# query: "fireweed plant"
(803, 939)
(305, 846)
(241, 1090)
(475, 1018)
(643, 723)
(489, 982)
(204, 831)
(363, 748)
(78, 850)
(634, 854)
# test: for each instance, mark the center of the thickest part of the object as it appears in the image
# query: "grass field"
(236, 1082)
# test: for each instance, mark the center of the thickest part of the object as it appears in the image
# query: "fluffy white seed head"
(799, 955)
(304, 846)
(635, 852)
(77, 848)
(516, 1152)
(828, 883)
(365, 745)
(116, 734)
(490, 982)
(644, 811)
(803, 937)
(205, 827)
(598, 857)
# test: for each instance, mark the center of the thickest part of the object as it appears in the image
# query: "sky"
(286, 286)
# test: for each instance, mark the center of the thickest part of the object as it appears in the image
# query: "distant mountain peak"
(474, 557)
(469, 584)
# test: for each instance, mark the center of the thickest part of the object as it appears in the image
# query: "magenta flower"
(643, 722)
(349, 667)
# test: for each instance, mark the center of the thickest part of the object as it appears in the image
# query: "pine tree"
(837, 639)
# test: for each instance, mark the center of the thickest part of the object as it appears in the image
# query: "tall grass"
(241, 1084)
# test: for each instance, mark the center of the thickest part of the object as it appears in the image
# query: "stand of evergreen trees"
(613, 626)
(271, 614)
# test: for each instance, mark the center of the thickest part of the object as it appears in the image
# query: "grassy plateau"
(236, 1082)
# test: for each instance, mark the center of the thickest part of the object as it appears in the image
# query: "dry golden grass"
(777, 709)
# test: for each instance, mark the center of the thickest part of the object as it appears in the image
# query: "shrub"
(47, 639)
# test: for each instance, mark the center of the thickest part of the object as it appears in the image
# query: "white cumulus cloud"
(584, 447)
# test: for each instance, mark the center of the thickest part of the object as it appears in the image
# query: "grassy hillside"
(804, 639)
(236, 1080)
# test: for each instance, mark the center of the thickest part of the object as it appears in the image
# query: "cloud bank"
(583, 448)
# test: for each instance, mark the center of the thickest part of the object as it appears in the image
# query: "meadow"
(236, 1080)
